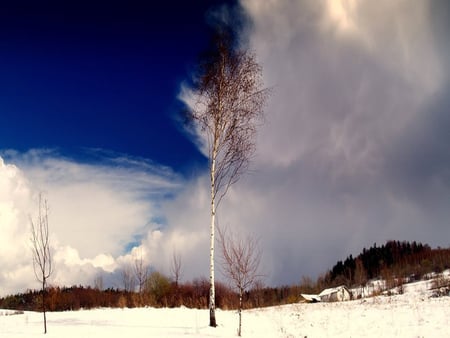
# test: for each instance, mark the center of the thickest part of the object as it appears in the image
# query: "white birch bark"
(212, 290)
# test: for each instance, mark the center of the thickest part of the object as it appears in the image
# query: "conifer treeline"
(393, 259)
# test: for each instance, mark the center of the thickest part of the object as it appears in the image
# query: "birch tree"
(229, 106)
(42, 258)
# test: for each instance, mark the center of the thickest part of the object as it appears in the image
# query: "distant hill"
(395, 259)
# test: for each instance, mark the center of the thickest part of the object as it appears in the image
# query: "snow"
(411, 314)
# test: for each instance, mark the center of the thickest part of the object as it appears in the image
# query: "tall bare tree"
(240, 263)
(360, 275)
(128, 280)
(42, 258)
(98, 282)
(141, 270)
(176, 267)
(229, 106)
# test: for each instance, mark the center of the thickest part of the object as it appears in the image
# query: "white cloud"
(15, 198)
(97, 208)
(96, 211)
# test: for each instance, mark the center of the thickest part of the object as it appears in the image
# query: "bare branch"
(240, 259)
(229, 107)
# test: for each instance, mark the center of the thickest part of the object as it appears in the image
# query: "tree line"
(159, 291)
(407, 260)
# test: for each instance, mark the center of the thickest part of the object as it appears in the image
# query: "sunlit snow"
(415, 313)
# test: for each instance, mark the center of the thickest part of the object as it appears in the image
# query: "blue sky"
(100, 75)
(354, 148)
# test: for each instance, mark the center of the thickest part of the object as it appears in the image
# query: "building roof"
(311, 298)
(330, 291)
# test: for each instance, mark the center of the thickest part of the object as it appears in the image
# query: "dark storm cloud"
(355, 145)
(355, 148)
(418, 162)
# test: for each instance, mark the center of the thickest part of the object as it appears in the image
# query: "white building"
(337, 294)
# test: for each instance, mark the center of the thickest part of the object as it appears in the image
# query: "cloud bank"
(98, 213)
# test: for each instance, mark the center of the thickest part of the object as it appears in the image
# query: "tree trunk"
(43, 306)
(240, 313)
(212, 292)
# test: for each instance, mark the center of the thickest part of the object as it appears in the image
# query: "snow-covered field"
(412, 314)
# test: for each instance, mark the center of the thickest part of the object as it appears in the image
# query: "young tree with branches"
(141, 270)
(176, 267)
(128, 281)
(229, 106)
(42, 258)
(240, 263)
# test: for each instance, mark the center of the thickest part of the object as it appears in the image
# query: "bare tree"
(42, 258)
(360, 276)
(230, 102)
(176, 267)
(141, 271)
(98, 282)
(240, 263)
(128, 279)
